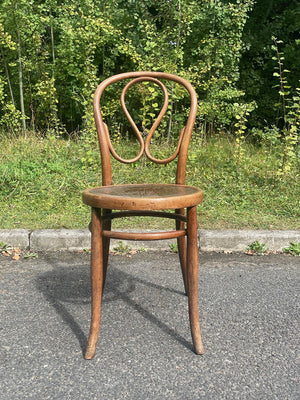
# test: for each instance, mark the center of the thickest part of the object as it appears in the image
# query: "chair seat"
(143, 196)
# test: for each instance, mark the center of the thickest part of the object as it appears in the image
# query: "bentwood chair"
(144, 200)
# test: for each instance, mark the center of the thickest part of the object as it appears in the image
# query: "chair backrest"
(106, 146)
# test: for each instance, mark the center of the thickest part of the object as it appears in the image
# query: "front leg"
(192, 269)
(96, 281)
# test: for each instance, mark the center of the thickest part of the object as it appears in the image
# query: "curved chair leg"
(192, 262)
(96, 282)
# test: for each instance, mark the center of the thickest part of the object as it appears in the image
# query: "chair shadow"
(66, 285)
(71, 285)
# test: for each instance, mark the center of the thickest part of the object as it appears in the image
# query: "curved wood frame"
(106, 147)
(102, 205)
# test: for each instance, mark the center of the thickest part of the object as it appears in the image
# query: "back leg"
(106, 226)
(181, 244)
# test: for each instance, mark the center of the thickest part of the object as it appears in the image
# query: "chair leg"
(96, 282)
(192, 266)
(106, 242)
(181, 244)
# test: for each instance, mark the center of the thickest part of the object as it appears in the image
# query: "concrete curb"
(238, 240)
(209, 240)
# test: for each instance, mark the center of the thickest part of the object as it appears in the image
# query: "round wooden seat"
(143, 196)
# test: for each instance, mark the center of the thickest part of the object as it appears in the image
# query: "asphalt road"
(249, 317)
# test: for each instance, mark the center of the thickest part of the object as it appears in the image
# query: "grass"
(42, 180)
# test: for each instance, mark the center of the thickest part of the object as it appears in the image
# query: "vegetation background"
(242, 57)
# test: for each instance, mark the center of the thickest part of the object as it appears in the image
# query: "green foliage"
(3, 246)
(289, 108)
(30, 255)
(269, 18)
(294, 249)
(268, 136)
(173, 247)
(15, 252)
(42, 176)
(252, 193)
(122, 248)
(242, 113)
(53, 55)
(212, 56)
(257, 248)
(42, 180)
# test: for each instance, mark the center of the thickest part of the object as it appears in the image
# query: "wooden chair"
(144, 200)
